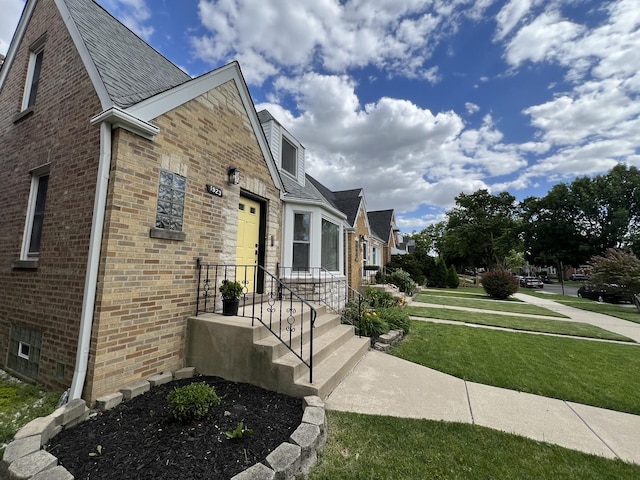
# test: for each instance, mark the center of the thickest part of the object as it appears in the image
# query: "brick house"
(383, 224)
(119, 172)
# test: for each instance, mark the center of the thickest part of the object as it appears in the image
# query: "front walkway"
(382, 384)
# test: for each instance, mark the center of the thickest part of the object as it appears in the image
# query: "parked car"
(545, 279)
(531, 282)
(580, 277)
(607, 293)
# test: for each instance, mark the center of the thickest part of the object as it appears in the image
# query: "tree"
(453, 281)
(616, 267)
(481, 229)
(576, 221)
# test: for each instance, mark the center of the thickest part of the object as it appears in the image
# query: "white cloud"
(133, 13)
(401, 154)
(510, 15)
(543, 39)
(396, 36)
(471, 108)
(11, 10)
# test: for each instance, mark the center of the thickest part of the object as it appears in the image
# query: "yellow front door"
(248, 241)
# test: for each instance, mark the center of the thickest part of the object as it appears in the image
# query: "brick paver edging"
(25, 459)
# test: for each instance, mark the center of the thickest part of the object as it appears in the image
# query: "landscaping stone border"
(25, 459)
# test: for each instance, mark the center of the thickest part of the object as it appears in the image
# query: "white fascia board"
(96, 79)
(159, 104)
(316, 203)
(15, 41)
(119, 118)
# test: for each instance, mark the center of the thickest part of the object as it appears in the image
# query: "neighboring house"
(383, 224)
(120, 172)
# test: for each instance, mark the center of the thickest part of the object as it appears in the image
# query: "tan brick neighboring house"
(115, 181)
(383, 224)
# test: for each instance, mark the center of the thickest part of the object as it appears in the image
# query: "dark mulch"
(139, 439)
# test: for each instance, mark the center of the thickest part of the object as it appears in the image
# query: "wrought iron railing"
(318, 285)
(265, 299)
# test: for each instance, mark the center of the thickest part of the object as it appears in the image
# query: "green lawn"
(365, 447)
(20, 403)
(593, 373)
(476, 293)
(531, 324)
(488, 304)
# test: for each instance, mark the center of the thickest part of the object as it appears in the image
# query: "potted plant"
(231, 292)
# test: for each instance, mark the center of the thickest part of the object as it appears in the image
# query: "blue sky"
(420, 100)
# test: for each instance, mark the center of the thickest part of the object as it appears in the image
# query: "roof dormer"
(287, 151)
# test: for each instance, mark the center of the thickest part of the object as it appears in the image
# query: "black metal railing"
(318, 285)
(265, 299)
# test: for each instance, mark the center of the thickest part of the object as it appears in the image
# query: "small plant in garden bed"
(239, 433)
(192, 402)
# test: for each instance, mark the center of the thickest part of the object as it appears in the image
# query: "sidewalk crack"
(592, 430)
(473, 422)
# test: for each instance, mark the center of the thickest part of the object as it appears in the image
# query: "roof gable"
(381, 223)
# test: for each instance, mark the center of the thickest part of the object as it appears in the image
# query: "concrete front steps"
(233, 348)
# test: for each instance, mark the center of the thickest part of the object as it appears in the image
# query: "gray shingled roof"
(380, 223)
(347, 201)
(131, 69)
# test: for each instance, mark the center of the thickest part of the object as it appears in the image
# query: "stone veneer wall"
(148, 284)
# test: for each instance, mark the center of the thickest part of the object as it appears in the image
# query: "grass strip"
(530, 324)
(488, 304)
(594, 373)
(364, 447)
(476, 293)
(20, 403)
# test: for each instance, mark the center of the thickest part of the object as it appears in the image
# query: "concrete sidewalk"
(382, 384)
(613, 324)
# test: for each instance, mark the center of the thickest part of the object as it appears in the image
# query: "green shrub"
(453, 281)
(499, 284)
(380, 299)
(403, 281)
(192, 402)
(396, 318)
(373, 326)
(381, 277)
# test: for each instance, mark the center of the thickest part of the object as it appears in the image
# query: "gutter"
(93, 263)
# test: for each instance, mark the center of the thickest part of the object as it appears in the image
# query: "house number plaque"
(214, 190)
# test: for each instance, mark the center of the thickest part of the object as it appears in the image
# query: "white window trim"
(22, 355)
(310, 242)
(36, 174)
(35, 50)
(337, 224)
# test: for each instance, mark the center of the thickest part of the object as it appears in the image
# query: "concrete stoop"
(238, 349)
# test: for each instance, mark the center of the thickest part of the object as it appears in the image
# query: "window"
(374, 256)
(301, 241)
(330, 245)
(33, 74)
(35, 213)
(289, 157)
(170, 211)
(24, 351)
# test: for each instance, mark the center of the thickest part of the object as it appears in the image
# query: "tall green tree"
(481, 230)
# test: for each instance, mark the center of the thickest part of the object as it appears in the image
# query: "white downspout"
(93, 263)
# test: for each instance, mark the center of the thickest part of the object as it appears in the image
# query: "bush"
(499, 284)
(453, 281)
(192, 402)
(403, 281)
(380, 299)
(373, 326)
(396, 318)
(381, 277)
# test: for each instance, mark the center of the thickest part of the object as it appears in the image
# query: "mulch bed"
(139, 439)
